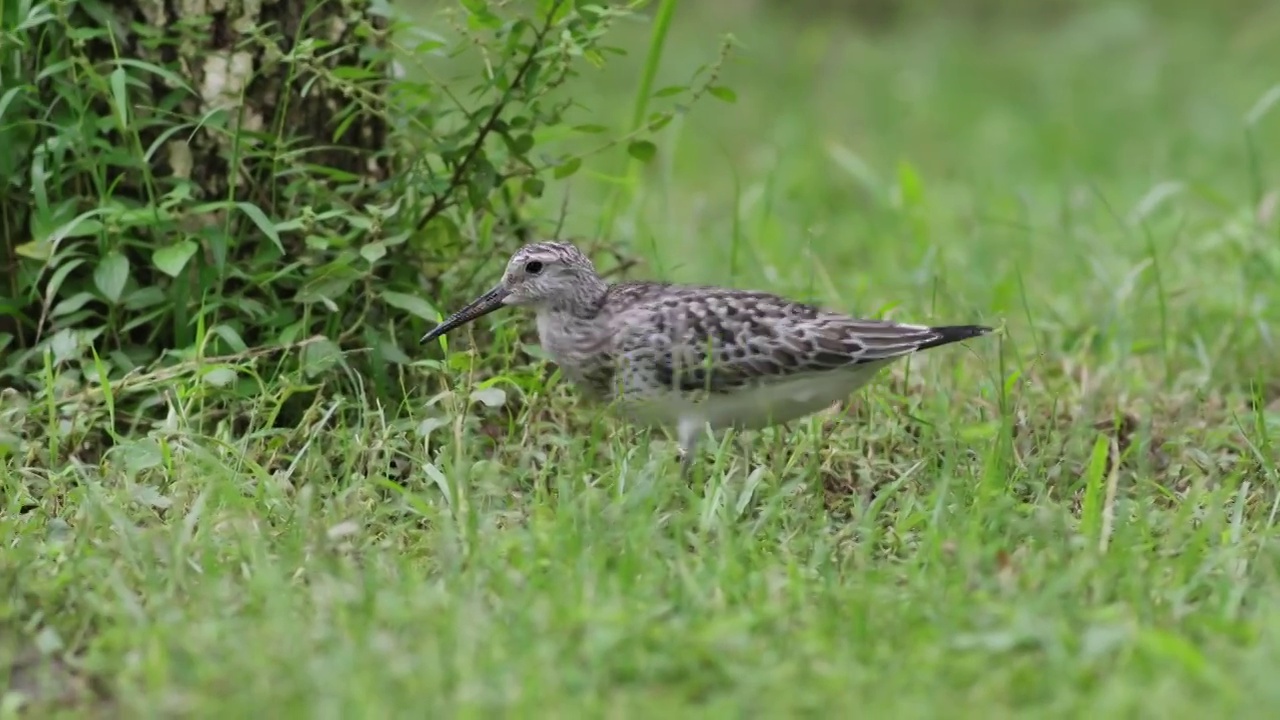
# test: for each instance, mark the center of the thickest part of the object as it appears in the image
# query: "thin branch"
(564, 213)
(442, 200)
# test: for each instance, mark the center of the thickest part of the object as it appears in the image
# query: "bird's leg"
(687, 437)
(779, 459)
(742, 440)
(686, 464)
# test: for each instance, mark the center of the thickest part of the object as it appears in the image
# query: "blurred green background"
(1089, 172)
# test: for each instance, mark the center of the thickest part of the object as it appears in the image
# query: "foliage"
(119, 260)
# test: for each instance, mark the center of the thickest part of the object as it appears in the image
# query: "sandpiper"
(685, 357)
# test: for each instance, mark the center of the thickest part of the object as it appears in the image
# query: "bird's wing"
(718, 340)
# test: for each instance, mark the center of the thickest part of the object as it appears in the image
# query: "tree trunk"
(266, 68)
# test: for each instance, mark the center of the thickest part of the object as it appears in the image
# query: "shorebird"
(685, 357)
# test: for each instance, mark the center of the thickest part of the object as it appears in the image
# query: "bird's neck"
(572, 336)
(583, 304)
(568, 325)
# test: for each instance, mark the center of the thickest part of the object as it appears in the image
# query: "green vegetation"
(1076, 516)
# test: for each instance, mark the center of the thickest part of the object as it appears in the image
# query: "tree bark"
(260, 73)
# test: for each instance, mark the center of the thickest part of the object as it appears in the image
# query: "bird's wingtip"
(952, 333)
(947, 334)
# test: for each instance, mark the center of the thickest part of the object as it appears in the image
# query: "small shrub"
(181, 191)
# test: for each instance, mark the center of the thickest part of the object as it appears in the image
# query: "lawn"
(1074, 516)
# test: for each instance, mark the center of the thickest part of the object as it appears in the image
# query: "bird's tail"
(947, 334)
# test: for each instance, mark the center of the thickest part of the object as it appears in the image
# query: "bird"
(686, 358)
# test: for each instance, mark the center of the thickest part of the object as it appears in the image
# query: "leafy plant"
(168, 198)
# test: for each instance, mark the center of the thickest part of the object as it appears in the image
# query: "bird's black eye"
(533, 267)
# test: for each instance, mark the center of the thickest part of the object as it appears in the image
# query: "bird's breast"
(581, 351)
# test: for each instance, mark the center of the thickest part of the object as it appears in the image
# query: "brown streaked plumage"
(685, 356)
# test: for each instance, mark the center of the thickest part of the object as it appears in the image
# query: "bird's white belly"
(750, 408)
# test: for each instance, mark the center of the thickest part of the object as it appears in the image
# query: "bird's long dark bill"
(478, 308)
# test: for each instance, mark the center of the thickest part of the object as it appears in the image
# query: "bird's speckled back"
(689, 356)
(632, 337)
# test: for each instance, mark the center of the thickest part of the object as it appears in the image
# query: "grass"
(1074, 517)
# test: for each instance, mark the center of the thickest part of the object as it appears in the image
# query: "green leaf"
(534, 187)
(642, 150)
(411, 304)
(391, 353)
(143, 454)
(111, 275)
(723, 93)
(325, 287)
(220, 376)
(493, 397)
(60, 276)
(145, 297)
(34, 250)
(374, 251)
(670, 90)
(151, 497)
(64, 344)
(171, 259)
(46, 242)
(320, 356)
(7, 98)
(394, 240)
(120, 94)
(260, 219)
(657, 121)
(521, 144)
(479, 14)
(1095, 478)
(37, 15)
(71, 304)
(567, 168)
(173, 79)
(230, 337)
